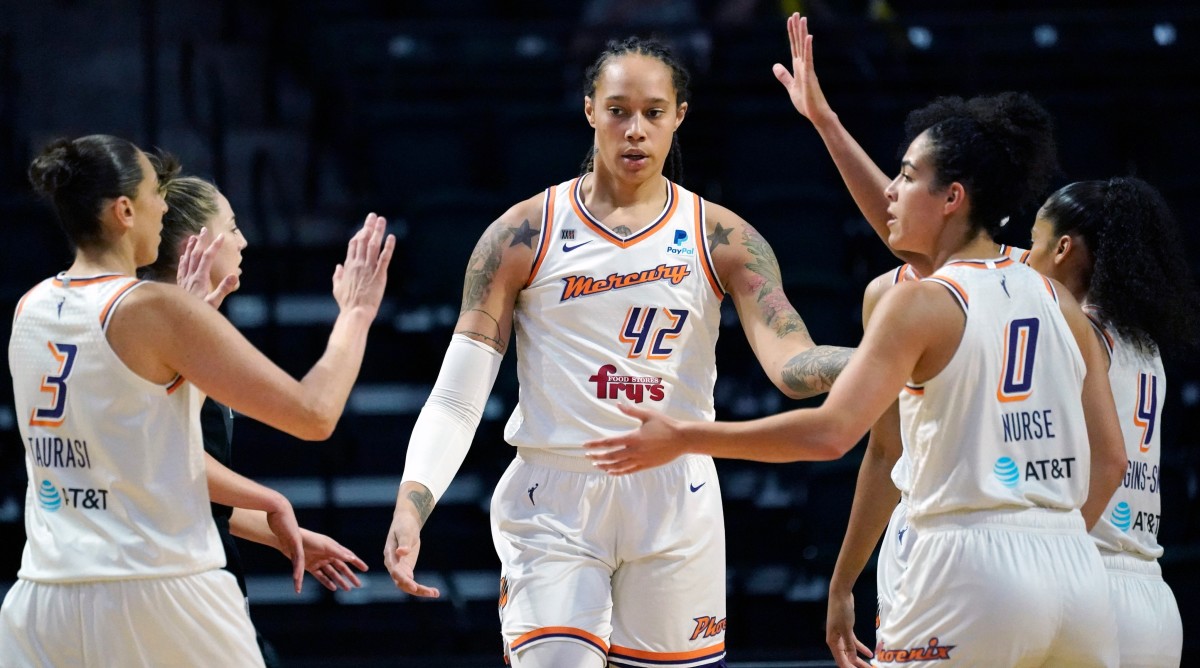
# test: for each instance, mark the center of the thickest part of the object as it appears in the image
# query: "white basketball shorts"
(631, 566)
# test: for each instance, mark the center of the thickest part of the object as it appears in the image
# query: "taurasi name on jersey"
(60, 453)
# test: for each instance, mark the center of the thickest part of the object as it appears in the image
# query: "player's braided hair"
(673, 167)
(1140, 280)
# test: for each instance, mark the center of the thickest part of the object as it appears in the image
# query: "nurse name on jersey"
(1028, 425)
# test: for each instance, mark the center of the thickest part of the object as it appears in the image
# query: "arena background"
(438, 114)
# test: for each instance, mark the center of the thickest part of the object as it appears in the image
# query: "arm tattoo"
(482, 267)
(813, 371)
(423, 502)
(719, 236)
(524, 234)
(778, 311)
(494, 340)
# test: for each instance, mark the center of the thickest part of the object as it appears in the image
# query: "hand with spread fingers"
(195, 264)
(655, 443)
(360, 280)
(330, 562)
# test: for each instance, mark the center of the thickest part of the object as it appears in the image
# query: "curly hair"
(680, 79)
(1001, 148)
(1140, 281)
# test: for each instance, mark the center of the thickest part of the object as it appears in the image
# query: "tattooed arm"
(496, 273)
(750, 273)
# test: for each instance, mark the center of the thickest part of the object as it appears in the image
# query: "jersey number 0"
(1020, 348)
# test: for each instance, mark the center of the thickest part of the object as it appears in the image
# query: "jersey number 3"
(1020, 347)
(56, 386)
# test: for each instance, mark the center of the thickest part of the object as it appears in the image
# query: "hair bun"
(54, 168)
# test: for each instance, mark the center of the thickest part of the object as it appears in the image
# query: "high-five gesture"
(195, 265)
(801, 82)
(359, 281)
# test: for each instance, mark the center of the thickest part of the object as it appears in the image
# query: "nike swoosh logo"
(568, 249)
(697, 487)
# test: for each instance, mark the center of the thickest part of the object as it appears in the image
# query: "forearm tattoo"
(813, 371)
(778, 311)
(422, 500)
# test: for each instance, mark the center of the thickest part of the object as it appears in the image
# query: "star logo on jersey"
(568, 249)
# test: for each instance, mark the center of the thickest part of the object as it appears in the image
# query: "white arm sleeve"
(446, 426)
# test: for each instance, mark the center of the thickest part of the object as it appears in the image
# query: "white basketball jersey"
(606, 319)
(1002, 425)
(905, 272)
(1139, 387)
(115, 462)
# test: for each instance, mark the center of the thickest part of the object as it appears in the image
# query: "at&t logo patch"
(1007, 472)
(48, 497)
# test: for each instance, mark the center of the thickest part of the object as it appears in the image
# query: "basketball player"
(879, 502)
(122, 566)
(197, 214)
(1006, 460)
(613, 282)
(1115, 244)
(1117, 230)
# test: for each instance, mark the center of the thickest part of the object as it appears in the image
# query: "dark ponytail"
(1140, 281)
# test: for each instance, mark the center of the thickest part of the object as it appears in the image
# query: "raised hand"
(195, 267)
(801, 82)
(329, 562)
(359, 281)
(655, 443)
(839, 633)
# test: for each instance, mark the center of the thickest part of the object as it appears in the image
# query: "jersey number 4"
(1147, 408)
(1020, 347)
(646, 337)
(56, 386)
